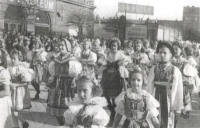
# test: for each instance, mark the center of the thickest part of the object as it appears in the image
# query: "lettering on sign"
(44, 4)
(136, 31)
(137, 9)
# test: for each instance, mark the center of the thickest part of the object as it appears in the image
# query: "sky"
(163, 9)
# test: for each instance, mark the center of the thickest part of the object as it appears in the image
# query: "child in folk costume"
(86, 111)
(129, 48)
(114, 75)
(139, 57)
(38, 58)
(178, 60)
(3, 54)
(182, 63)
(88, 58)
(165, 83)
(21, 75)
(138, 106)
(191, 81)
(99, 51)
(5, 99)
(147, 48)
(76, 49)
(63, 69)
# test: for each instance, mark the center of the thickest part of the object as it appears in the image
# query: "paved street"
(38, 118)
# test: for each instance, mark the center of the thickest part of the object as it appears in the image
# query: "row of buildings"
(44, 17)
(61, 17)
(165, 30)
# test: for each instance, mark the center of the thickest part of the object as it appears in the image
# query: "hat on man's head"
(165, 44)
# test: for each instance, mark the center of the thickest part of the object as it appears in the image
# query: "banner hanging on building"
(137, 9)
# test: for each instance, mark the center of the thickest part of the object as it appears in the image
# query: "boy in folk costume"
(165, 82)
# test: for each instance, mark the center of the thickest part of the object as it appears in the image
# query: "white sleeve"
(145, 59)
(92, 57)
(177, 90)
(150, 81)
(192, 62)
(75, 68)
(101, 118)
(5, 77)
(51, 68)
(152, 105)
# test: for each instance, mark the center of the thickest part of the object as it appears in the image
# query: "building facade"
(43, 17)
(191, 22)
(137, 29)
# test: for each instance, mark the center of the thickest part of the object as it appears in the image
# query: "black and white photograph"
(99, 63)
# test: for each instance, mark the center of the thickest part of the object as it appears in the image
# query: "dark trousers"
(37, 87)
(111, 107)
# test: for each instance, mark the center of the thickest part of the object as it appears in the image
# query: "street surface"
(37, 117)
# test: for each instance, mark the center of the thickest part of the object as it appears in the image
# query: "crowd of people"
(149, 83)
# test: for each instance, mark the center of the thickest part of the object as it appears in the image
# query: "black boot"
(60, 120)
(25, 125)
(36, 97)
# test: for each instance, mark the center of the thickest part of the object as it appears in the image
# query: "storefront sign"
(43, 4)
(137, 9)
(136, 32)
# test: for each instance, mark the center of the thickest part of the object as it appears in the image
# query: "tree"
(112, 26)
(81, 18)
(29, 8)
(192, 35)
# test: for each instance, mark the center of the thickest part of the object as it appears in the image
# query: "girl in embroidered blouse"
(114, 74)
(86, 111)
(88, 59)
(129, 48)
(139, 58)
(191, 81)
(21, 74)
(138, 106)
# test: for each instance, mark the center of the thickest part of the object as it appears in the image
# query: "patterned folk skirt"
(59, 91)
(111, 83)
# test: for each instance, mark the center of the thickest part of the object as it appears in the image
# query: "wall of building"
(64, 12)
(166, 33)
(191, 18)
(101, 32)
(58, 17)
